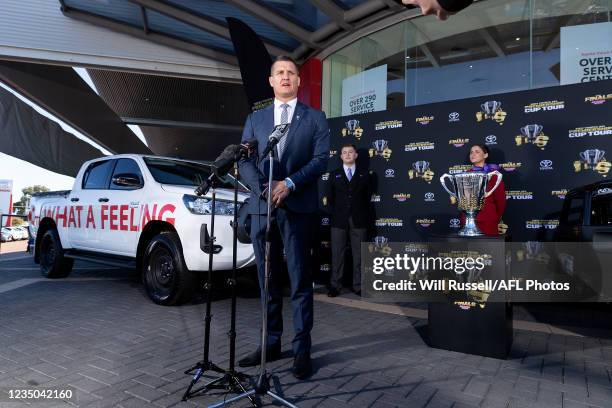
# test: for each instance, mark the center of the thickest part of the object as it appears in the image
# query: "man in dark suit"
(301, 157)
(349, 202)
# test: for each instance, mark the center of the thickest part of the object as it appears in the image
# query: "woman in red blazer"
(494, 206)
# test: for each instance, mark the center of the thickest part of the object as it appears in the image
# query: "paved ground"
(97, 332)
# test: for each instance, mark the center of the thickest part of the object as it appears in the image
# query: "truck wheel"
(53, 264)
(165, 276)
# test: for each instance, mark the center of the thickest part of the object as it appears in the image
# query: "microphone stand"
(262, 386)
(230, 380)
(205, 364)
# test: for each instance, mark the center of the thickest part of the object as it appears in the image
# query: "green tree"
(20, 207)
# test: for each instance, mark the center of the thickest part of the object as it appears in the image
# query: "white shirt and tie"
(349, 171)
(283, 113)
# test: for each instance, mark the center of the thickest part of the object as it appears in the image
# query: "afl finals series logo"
(380, 148)
(593, 159)
(352, 129)
(491, 110)
(532, 134)
(420, 169)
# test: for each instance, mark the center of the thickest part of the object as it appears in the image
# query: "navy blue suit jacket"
(303, 160)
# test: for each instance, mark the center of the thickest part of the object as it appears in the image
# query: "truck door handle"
(74, 199)
(103, 200)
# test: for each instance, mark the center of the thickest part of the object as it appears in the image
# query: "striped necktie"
(284, 120)
(349, 173)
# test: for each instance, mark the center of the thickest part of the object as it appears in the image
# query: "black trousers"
(339, 238)
(294, 232)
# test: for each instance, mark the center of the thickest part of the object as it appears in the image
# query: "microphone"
(224, 162)
(279, 132)
(226, 159)
(231, 154)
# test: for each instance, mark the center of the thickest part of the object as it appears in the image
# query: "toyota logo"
(546, 163)
(454, 116)
(429, 196)
(454, 222)
(604, 191)
(491, 139)
(389, 172)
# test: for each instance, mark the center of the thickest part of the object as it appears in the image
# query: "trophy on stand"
(470, 190)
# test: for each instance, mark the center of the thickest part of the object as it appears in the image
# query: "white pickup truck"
(138, 211)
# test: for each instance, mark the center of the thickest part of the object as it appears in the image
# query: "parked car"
(6, 235)
(16, 233)
(140, 212)
(24, 232)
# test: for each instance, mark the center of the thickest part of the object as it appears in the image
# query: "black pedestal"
(467, 326)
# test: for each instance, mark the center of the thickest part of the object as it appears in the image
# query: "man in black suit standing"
(349, 202)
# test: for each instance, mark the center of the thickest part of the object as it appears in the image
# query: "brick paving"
(98, 333)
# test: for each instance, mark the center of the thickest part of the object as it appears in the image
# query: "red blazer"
(492, 210)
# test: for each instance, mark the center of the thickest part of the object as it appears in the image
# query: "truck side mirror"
(127, 180)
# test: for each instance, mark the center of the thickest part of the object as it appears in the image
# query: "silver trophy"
(380, 241)
(531, 132)
(470, 190)
(490, 107)
(380, 145)
(421, 166)
(592, 156)
(533, 248)
(352, 124)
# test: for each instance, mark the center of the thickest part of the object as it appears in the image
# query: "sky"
(24, 174)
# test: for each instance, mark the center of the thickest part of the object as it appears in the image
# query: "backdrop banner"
(546, 142)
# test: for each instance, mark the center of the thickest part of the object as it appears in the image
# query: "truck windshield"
(182, 173)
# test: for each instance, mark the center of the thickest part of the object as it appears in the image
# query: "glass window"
(97, 174)
(300, 12)
(125, 166)
(183, 173)
(564, 32)
(495, 46)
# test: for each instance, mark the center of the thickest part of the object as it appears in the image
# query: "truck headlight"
(203, 205)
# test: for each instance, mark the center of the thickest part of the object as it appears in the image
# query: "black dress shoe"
(301, 366)
(333, 292)
(254, 358)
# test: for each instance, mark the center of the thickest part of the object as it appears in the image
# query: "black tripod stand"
(230, 380)
(262, 386)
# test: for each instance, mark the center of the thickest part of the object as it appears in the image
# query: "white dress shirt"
(352, 167)
(278, 110)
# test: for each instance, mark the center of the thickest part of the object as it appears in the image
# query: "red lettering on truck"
(123, 217)
(103, 215)
(90, 218)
